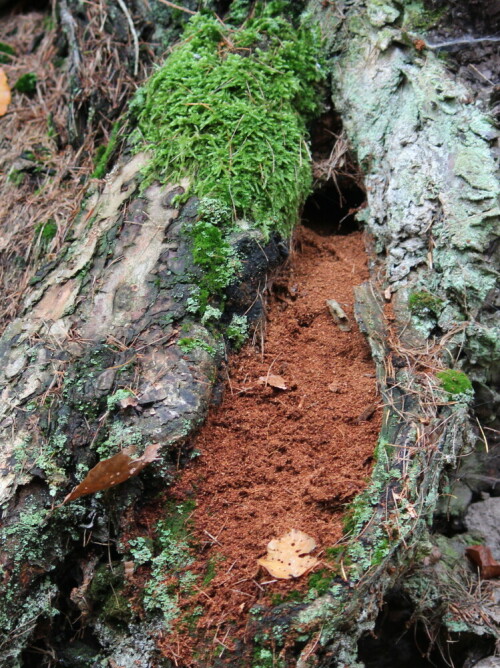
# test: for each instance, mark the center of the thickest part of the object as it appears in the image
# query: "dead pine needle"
(174, 6)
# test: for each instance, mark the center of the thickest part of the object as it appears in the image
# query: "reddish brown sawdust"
(274, 460)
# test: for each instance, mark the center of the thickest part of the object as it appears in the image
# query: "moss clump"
(45, 232)
(229, 108)
(424, 303)
(26, 83)
(6, 52)
(454, 382)
(16, 176)
(106, 594)
(320, 581)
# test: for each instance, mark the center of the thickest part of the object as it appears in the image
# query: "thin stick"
(135, 39)
(483, 435)
(182, 9)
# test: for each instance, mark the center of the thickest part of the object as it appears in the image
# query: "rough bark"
(105, 316)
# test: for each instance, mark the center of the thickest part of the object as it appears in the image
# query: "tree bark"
(106, 316)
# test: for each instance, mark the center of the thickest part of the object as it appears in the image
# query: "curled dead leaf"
(289, 555)
(111, 472)
(274, 381)
(5, 95)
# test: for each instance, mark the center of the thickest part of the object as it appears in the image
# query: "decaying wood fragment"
(339, 316)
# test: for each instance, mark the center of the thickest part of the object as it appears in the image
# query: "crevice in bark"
(401, 639)
(339, 191)
(331, 209)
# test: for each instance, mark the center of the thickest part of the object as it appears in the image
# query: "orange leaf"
(482, 557)
(5, 96)
(112, 471)
(274, 381)
(289, 556)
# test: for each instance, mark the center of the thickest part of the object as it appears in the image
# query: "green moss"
(104, 153)
(419, 19)
(289, 597)
(6, 52)
(424, 303)
(16, 176)
(188, 344)
(105, 592)
(26, 83)
(238, 128)
(212, 252)
(454, 382)
(211, 569)
(320, 582)
(45, 232)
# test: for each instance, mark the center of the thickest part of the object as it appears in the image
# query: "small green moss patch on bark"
(424, 303)
(454, 382)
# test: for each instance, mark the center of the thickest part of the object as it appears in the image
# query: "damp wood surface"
(272, 460)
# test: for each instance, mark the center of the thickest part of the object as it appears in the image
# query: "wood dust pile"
(271, 459)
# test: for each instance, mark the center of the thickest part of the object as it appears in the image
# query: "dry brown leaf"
(129, 401)
(482, 557)
(5, 96)
(274, 381)
(113, 471)
(289, 556)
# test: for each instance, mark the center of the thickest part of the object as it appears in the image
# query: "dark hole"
(332, 208)
(338, 189)
(398, 640)
(25, 6)
(67, 639)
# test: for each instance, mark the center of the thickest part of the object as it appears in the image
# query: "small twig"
(214, 540)
(483, 435)
(135, 39)
(473, 67)
(464, 41)
(182, 9)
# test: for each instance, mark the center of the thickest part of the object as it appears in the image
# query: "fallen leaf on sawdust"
(289, 556)
(112, 471)
(274, 381)
(5, 96)
(482, 557)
